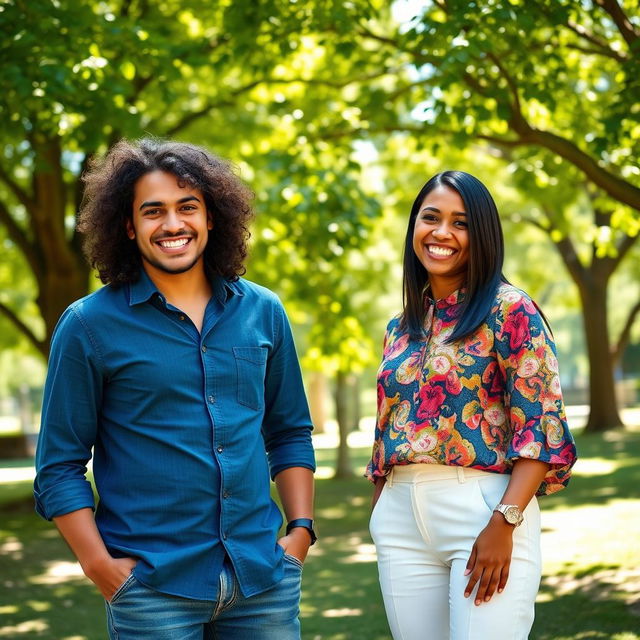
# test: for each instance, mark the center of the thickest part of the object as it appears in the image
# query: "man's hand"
(109, 574)
(296, 543)
(490, 559)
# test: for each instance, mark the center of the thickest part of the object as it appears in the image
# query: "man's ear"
(131, 232)
(209, 220)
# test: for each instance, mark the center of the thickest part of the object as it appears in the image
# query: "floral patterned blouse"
(481, 402)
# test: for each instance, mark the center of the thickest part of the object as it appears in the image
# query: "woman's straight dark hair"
(486, 256)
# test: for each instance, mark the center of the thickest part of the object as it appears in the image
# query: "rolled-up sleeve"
(287, 424)
(72, 398)
(527, 359)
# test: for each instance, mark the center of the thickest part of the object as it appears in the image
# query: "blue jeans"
(138, 613)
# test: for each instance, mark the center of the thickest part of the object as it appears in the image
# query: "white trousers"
(424, 526)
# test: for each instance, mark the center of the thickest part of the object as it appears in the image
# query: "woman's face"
(441, 240)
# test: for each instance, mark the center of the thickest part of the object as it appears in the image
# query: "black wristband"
(305, 523)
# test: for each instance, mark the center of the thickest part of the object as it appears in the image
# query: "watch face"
(512, 515)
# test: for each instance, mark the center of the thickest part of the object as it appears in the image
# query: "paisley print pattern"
(482, 402)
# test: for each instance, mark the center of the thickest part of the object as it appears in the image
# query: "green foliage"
(315, 228)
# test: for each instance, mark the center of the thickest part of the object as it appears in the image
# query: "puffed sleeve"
(527, 359)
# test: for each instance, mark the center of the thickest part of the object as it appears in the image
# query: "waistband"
(420, 472)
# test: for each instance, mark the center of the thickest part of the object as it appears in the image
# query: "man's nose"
(172, 221)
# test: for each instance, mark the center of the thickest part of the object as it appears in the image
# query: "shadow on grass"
(586, 607)
(41, 594)
(42, 597)
(612, 461)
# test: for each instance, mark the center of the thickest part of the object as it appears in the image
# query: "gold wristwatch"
(511, 513)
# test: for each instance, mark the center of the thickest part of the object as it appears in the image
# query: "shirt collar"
(143, 289)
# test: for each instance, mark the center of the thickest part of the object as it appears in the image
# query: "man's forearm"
(295, 488)
(79, 530)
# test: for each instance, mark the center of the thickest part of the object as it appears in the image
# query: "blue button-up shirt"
(185, 427)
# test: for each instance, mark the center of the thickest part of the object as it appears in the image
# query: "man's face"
(169, 223)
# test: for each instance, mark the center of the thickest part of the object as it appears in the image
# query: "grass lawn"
(590, 587)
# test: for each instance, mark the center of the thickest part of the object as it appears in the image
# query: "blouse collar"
(451, 300)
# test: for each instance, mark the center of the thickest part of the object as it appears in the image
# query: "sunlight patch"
(364, 553)
(58, 572)
(12, 547)
(324, 473)
(17, 474)
(10, 608)
(594, 467)
(341, 613)
(28, 626)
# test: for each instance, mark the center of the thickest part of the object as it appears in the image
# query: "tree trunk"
(317, 400)
(603, 413)
(357, 411)
(60, 285)
(343, 465)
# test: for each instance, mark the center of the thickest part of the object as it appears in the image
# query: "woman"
(470, 428)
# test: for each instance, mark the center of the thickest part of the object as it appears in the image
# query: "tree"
(316, 246)
(551, 82)
(78, 76)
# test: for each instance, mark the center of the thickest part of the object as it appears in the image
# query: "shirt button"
(181, 317)
(220, 448)
(204, 349)
(225, 494)
(211, 399)
(224, 536)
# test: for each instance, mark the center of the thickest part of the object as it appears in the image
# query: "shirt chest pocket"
(251, 365)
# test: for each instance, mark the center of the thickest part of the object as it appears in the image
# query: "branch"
(624, 246)
(625, 27)
(511, 83)
(614, 186)
(40, 345)
(625, 335)
(609, 53)
(567, 251)
(22, 196)
(367, 33)
(196, 115)
(602, 45)
(19, 237)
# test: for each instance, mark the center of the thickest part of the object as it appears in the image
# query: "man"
(183, 379)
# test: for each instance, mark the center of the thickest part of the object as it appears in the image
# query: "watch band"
(305, 523)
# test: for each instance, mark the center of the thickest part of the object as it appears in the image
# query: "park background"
(335, 113)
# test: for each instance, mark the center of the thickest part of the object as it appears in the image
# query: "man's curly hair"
(108, 203)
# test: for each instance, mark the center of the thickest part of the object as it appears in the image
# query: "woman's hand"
(490, 558)
(377, 490)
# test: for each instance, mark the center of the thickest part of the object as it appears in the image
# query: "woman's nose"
(441, 231)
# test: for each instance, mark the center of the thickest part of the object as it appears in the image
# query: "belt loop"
(461, 478)
(390, 477)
